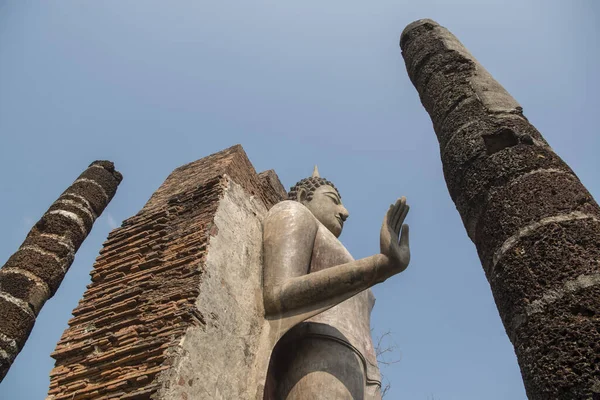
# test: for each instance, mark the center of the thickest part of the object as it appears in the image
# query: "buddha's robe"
(331, 355)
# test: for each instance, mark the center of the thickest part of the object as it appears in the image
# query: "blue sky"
(152, 85)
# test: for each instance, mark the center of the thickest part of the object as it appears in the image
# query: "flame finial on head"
(316, 173)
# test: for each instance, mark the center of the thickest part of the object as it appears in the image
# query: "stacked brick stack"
(146, 283)
(536, 228)
(32, 275)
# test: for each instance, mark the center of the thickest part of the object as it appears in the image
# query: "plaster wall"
(215, 360)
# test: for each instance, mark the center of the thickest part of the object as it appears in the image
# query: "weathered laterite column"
(32, 274)
(536, 228)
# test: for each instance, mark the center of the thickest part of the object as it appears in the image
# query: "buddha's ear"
(302, 195)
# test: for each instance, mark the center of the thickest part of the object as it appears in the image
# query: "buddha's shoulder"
(290, 210)
(289, 207)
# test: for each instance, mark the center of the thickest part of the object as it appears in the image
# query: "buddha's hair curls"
(310, 185)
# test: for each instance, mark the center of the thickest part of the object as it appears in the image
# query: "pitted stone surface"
(525, 201)
(560, 347)
(33, 274)
(535, 226)
(539, 264)
(470, 189)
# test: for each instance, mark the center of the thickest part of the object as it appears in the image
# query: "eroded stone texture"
(536, 228)
(174, 310)
(33, 274)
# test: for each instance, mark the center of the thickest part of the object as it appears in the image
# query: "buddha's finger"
(399, 208)
(398, 217)
(404, 241)
(389, 216)
(401, 219)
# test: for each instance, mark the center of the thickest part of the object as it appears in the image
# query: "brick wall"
(152, 287)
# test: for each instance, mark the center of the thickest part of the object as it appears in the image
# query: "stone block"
(17, 321)
(103, 174)
(446, 90)
(559, 348)
(95, 194)
(423, 52)
(50, 244)
(469, 111)
(526, 201)
(63, 225)
(45, 266)
(539, 266)
(464, 149)
(24, 288)
(471, 177)
(85, 217)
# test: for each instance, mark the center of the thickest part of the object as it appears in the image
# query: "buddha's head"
(322, 198)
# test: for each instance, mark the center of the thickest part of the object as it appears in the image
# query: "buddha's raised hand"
(394, 236)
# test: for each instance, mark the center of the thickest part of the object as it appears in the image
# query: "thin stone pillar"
(535, 226)
(32, 274)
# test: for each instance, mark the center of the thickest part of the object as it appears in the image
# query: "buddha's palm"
(394, 236)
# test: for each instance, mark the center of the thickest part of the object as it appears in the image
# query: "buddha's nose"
(344, 214)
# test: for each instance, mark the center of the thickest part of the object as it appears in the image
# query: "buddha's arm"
(289, 235)
(328, 287)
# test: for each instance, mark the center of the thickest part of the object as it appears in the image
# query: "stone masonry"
(535, 226)
(32, 274)
(174, 310)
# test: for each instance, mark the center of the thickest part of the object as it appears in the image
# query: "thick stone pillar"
(175, 309)
(32, 274)
(536, 228)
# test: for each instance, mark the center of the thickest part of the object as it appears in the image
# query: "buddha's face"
(327, 207)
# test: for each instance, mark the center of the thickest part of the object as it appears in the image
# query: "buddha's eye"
(334, 199)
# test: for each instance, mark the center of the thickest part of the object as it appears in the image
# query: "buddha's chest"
(349, 321)
(328, 251)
